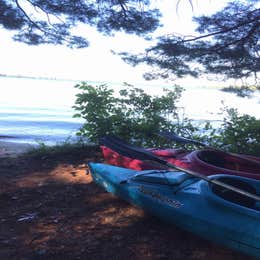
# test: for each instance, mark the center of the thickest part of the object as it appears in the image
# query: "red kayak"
(207, 162)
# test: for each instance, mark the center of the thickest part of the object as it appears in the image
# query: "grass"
(65, 147)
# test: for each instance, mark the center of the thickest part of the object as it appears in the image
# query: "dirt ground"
(50, 209)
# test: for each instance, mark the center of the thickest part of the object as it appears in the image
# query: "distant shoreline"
(7, 137)
(113, 83)
(32, 77)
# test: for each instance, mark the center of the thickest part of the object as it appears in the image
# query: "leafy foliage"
(138, 117)
(133, 115)
(240, 133)
(237, 133)
(227, 44)
(51, 21)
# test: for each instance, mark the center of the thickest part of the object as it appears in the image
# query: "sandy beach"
(12, 149)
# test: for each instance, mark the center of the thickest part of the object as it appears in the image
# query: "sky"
(97, 63)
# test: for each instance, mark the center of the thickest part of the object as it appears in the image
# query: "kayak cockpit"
(232, 196)
(228, 161)
(229, 198)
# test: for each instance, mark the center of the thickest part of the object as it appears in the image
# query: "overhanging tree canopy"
(227, 44)
(51, 21)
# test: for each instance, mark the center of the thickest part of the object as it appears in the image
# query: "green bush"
(138, 117)
(237, 133)
(130, 114)
(240, 133)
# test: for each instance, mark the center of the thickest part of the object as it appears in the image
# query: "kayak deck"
(188, 202)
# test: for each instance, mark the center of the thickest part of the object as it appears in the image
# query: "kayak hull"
(206, 162)
(187, 202)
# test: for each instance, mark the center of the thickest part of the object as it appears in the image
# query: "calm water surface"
(33, 111)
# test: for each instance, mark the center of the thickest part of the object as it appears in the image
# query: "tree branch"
(25, 14)
(123, 7)
(215, 33)
(37, 26)
(224, 31)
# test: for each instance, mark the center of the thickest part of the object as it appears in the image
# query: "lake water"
(33, 111)
(37, 110)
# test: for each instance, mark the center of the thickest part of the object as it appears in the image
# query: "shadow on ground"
(50, 209)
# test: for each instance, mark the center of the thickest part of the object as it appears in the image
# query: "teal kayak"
(203, 208)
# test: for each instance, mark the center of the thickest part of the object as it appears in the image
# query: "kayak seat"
(232, 196)
(212, 158)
